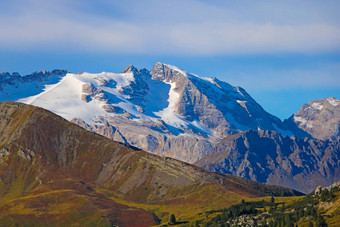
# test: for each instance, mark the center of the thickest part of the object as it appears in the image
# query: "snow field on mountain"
(26, 89)
(63, 99)
(161, 94)
(168, 115)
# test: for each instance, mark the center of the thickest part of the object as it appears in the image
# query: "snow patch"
(157, 96)
(64, 99)
(242, 103)
(168, 115)
(307, 108)
(317, 105)
(238, 90)
(303, 121)
(333, 101)
(300, 119)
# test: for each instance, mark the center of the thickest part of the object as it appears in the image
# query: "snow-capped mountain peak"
(149, 110)
(319, 119)
(130, 69)
(333, 101)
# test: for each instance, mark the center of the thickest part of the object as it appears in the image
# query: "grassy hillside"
(55, 173)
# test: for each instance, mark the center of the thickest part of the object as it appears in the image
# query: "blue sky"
(284, 53)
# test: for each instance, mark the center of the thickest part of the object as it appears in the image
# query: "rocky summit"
(319, 119)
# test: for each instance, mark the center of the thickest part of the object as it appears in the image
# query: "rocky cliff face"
(267, 156)
(319, 119)
(216, 104)
(167, 111)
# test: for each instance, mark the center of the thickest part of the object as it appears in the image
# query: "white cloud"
(215, 38)
(164, 27)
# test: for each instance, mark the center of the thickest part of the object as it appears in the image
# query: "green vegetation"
(326, 195)
(172, 219)
(304, 211)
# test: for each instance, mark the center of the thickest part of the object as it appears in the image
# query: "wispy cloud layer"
(322, 77)
(185, 27)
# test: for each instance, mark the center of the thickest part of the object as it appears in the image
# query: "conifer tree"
(172, 219)
(272, 200)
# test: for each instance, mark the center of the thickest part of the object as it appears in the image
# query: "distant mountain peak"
(333, 101)
(130, 69)
(318, 104)
(165, 72)
(319, 119)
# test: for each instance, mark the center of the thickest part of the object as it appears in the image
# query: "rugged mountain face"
(216, 104)
(319, 119)
(267, 156)
(167, 111)
(52, 171)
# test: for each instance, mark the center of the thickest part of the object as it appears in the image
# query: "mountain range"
(173, 113)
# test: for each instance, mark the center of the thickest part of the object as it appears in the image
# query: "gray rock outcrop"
(319, 119)
(268, 157)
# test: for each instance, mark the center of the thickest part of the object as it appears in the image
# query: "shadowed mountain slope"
(267, 156)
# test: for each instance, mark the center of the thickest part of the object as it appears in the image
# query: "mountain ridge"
(166, 109)
(266, 156)
(173, 113)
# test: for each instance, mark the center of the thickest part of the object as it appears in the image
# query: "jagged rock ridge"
(267, 156)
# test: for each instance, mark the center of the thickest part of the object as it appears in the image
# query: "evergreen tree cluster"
(326, 195)
(278, 214)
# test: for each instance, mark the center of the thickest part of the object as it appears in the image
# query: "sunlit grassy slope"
(55, 173)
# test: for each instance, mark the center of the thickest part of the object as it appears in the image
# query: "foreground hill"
(53, 172)
(268, 157)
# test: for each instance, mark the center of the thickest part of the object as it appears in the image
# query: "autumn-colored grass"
(79, 178)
